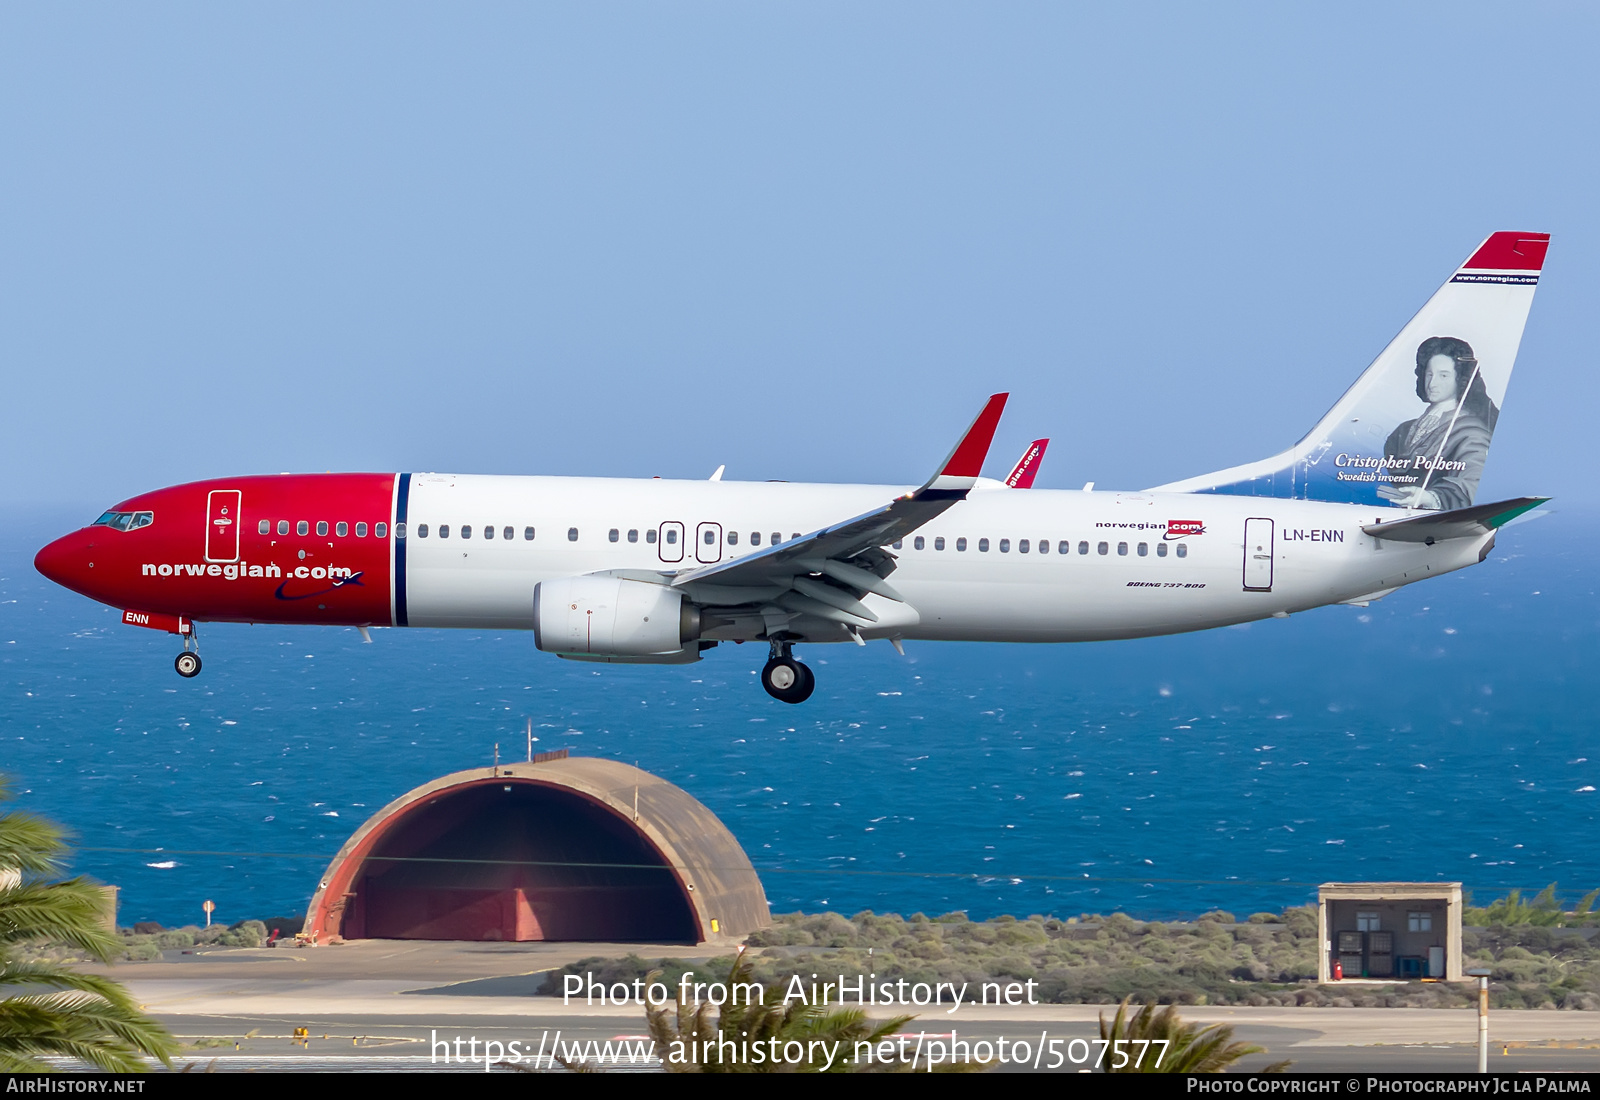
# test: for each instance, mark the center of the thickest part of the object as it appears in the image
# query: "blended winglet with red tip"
(1027, 467)
(960, 471)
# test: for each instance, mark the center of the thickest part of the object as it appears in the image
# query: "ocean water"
(1446, 732)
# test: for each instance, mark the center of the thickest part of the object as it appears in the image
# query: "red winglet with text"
(1511, 252)
(1027, 467)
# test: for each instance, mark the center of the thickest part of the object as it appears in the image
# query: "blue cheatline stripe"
(402, 502)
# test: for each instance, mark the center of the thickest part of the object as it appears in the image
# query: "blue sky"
(804, 240)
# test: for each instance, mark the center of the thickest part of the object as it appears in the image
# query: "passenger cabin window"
(1044, 546)
(776, 538)
(322, 527)
(613, 535)
(527, 534)
(341, 528)
(733, 538)
(264, 527)
(1183, 551)
(672, 536)
(466, 530)
(382, 530)
(711, 537)
(572, 534)
(1083, 548)
(650, 536)
(1122, 549)
(920, 542)
(633, 534)
(1161, 549)
(1065, 547)
(444, 530)
(1144, 549)
(1102, 548)
(1022, 546)
(961, 544)
(488, 530)
(302, 528)
(508, 533)
(795, 535)
(938, 542)
(283, 527)
(898, 543)
(361, 530)
(422, 530)
(983, 546)
(755, 538)
(1005, 546)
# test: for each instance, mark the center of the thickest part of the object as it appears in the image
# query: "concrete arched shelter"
(576, 848)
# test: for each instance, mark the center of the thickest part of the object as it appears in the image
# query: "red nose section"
(69, 562)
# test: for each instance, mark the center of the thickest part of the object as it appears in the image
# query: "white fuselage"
(1104, 574)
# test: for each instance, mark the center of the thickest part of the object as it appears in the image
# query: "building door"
(708, 543)
(669, 541)
(222, 525)
(1258, 555)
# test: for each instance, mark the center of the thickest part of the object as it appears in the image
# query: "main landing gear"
(188, 662)
(786, 679)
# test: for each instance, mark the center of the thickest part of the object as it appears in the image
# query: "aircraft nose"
(66, 561)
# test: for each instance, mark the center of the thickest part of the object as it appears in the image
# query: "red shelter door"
(222, 525)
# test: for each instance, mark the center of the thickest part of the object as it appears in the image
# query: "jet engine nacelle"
(612, 617)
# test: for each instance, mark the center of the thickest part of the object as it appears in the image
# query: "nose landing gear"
(188, 662)
(786, 679)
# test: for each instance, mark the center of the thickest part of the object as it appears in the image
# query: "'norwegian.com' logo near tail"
(1414, 431)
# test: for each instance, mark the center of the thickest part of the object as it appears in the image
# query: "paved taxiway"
(382, 1004)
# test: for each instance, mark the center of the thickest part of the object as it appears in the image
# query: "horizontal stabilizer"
(1460, 523)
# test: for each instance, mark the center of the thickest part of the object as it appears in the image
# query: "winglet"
(1027, 467)
(961, 469)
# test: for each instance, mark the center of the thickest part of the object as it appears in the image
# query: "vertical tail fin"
(1027, 467)
(1414, 430)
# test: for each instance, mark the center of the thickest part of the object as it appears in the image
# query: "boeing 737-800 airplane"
(1381, 493)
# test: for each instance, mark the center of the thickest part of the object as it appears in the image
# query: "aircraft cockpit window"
(361, 530)
(341, 528)
(125, 521)
(422, 530)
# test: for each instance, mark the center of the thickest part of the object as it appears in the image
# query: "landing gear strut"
(786, 679)
(188, 662)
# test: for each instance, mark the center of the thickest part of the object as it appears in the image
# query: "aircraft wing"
(1458, 523)
(848, 554)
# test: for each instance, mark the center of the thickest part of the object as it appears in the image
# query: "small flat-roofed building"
(1390, 931)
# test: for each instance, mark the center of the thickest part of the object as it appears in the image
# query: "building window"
(264, 527)
(1144, 549)
(938, 542)
(1022, 546)
(733, 538)
(1103, 548)
(572, 534)
(983, 546)
(1367, 922)
(650, 536)
(488, 530)
(322, 527)
(1005, 546)
(1122, 549)
(919, 542)
(633, 534)
(1044, 546)
(444, 530)
(1161, 549)
(341, 528)
(422, 530)
(466, 530)
(527, 534)
(1419, 922)
(613, 535)
(382, 530)
(961, 544)
(1183, 551)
